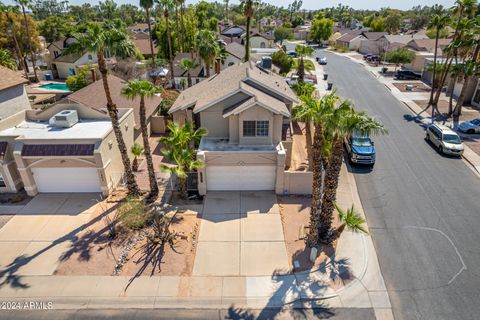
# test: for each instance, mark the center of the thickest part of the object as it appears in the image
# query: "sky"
(316, 4)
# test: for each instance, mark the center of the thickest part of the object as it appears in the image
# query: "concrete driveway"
(241, 234)
(33, 240)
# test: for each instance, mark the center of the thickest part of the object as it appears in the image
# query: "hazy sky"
(317, 4)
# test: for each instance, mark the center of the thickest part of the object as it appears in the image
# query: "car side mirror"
(373, 143)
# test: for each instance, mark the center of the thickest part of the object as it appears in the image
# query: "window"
(90, 58)
(2, 182)
(249, 128)
(262, 45)
(262, 128)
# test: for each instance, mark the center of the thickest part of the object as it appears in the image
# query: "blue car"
(360, 149)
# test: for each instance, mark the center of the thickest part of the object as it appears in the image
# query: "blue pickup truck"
(360, 149)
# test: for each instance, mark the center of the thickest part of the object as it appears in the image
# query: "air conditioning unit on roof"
(66, 118)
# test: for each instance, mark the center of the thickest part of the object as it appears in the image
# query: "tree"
(321, 29)
(303, 51)
(80, 80)
(144, 89)
(378, 24)
(392, 22)
(248, 10)
(147, 5)
(42, 9)
(349, 219)
(282, 33)
(207, 48)
(167, 6)
(99, 38)
(54, 28)
(226, 9)
(7, 60)
(137, 151)
(187, 65)
(282, 61)
(400, 56)
(23, 4)
(108, 9)
(179, 149)
(432, 33)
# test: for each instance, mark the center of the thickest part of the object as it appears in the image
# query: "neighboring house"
(350, 40)
(302, 32)
(386, 42)
(235, 54)
(93, 96)
(260, 40)
(40, 155)
(62, 65)
(233, 31)
(141, 38)
(244, 110)
(13, 96)
(197, 74)
(370, 45)
(423, 49)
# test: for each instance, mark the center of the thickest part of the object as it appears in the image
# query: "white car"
(444, 139)
(472, 126)
(293, 80)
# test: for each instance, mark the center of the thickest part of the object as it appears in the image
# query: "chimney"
(217, 66)
(94, 74)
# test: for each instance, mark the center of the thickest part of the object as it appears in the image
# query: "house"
(93, 96)
(260, 40)
(13, 95)
(235, 54)
(350, 40)
(181, 76)
(370, 45)
(472, 93)
(423, 49)
(244, 110)
(141, 38)
(233, 31)
(62, 65)
(39, 154)
(302, 32)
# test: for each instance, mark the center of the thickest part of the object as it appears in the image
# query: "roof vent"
(66, 118)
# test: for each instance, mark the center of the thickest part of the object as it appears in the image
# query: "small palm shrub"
(349, 219)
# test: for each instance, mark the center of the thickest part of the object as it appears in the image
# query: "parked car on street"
(321, 61)
(407, 75)
(292, 54)
(293, 80)
(472, 126)
(360, 149)
(371, 57)
(444, 139)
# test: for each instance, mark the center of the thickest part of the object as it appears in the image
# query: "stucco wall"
(13, 100)
(63, 67)
(296, 182)
(246, 158)
(233, 127)
(256, 42)
(157, 124)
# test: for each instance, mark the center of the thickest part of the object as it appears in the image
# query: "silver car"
(472, 126)
(444, 139)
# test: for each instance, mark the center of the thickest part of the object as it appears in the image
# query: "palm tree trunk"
(113, 113)
(308, 140)
(182, 25)
(458, 108)
(301, 70)
(32, 54)
(331, 183)
(247, 37)
(430, 102)
(147, 11)
(189, 79)
(180, 38)
(182, 188)
(207, 65)
(170, 52)
(315, 211)
(450, 99)
(147, 151)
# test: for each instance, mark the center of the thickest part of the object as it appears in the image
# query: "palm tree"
(182, 24)
(179, 149)
(98, 39)
(23, 4)
(187, 65)
(181, 38)
(207, 48)
(167, 6)
(439, 22)
(226, 9)
(304, 51)
(349, 219)
(147, 5)
(137, 151)
(248, 10)
(7, 60)
(144, 89)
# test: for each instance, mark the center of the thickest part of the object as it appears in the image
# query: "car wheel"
(427, 137)
(470, 131)
(440, 149)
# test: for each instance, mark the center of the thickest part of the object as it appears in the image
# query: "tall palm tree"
(144, 89)
(137, 150)
(187, 65)
(207, 48)
(98, 39)
(248, 7)
(303, 51)
(7, 60)
(167, 6)
(23, 4)
(147, 5)
(226, 9)
(179, 149)
(182, 24)
(179, 22)
(438, 22)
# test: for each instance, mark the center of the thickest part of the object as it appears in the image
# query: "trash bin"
(329, 86)
(48, 77)
(325, 76)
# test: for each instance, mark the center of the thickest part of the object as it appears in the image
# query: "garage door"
(240, 177)
(66, 179)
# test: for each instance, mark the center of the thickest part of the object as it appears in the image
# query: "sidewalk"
(408, 99)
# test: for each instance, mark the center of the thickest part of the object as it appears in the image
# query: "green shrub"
(282, 61)
(133, 214)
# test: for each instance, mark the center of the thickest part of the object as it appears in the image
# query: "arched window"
(262, 44)
(90, 58)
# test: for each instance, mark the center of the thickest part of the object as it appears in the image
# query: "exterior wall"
(369, 47)
(182, 116)
(258, 114)
(229, 61)
(418, 62)
(63, 67)
(256, 42)
(233, 128)
(355, 43)
(472, 85)
(13, 100)
(157, 124)
(297, 182)
(213, 120)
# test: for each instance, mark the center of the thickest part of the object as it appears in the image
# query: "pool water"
(55, 86)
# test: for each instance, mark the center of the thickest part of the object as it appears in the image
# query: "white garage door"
(240, 178)
(66, 179)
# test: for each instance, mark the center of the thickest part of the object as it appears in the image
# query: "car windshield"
(476, 122)
(451, 138)
(361, 142)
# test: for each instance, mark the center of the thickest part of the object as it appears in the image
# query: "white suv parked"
(445, 139)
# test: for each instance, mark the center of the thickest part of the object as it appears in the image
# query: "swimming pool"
(55, 86)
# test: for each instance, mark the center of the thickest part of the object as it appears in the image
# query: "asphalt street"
(423, 209)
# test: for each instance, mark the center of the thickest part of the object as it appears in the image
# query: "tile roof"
(179, 72)
(31, 150)
(428, 44)
(347, 37)
(374, 35)
(10, 78)
(143, 45)
(236, 49)
(93, 96)
(400, 38)
(69, 58)
(228, 39)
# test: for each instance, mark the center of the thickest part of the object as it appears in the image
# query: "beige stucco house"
(245, 111)
(65, 148)
(13, 96)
